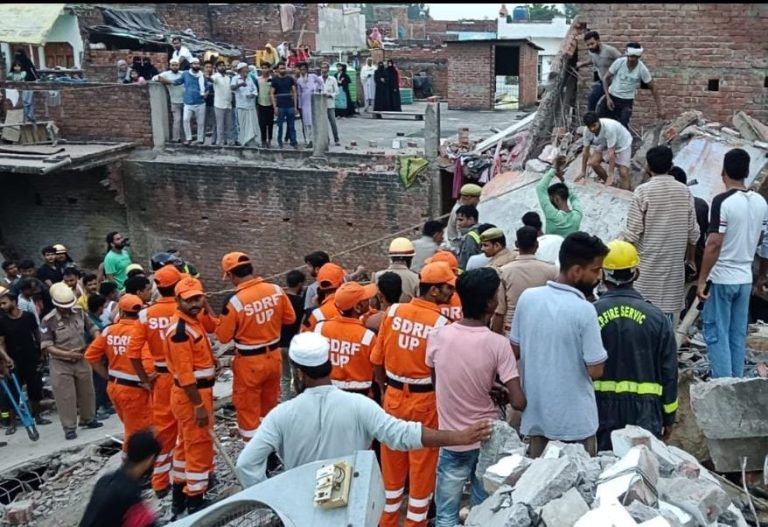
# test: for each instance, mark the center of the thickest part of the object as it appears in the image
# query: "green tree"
(542, 11)
(571, 10)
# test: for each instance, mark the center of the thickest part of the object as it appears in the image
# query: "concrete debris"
(534, 165)
(19, 512)
(750, 128)
(735, 427)
(503, 442)
(730, 131)
(641, 482)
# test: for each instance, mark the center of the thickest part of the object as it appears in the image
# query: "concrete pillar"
(320, 138)
(158, 105)
(431, 152)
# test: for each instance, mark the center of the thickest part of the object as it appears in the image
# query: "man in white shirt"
(330, 90)
(613, 143)
(176, 94)
(624, 77)
(181, 53)
(222, 105)
(367, 73)
(245, 104)
(325, 422)
(739, 218)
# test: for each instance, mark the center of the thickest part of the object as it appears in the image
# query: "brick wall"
(470, 76)
(432, 61)
(100, 65)
(686, 45)
(95, 112)
(186, 16)
(529, 75)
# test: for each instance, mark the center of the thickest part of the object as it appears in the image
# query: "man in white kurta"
(245, 105)
(368, 82)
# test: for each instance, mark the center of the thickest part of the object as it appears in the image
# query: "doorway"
(506, 78)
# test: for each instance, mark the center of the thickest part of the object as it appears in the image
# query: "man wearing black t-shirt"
(50, 272)
(20, 339)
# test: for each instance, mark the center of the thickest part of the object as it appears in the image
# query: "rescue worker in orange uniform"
(130, 397)
(351, 343)
(253, 318)
(329, 279)
(390, 287)
(153, 322)
(399, 363)
(451, 310)
(191, 362)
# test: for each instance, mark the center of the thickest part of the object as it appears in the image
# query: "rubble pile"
(641, 482)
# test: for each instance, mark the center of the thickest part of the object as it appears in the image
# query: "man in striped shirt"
(661, 223)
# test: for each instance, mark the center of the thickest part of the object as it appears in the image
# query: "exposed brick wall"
(101, 64)
(686, 45)
(470, 76)
(96, 112)
(186, 16)
(529, 76)
(69, 208)
(415, 60)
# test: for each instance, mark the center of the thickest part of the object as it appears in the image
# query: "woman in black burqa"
(344, 81)
(381, 101)
(393, 87)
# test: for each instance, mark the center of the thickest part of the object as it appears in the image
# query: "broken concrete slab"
(507, 471)
(676, 516)
(483, 513)
(749, 127)
(632, 478)
(564, 511)
(700, 498)
(544, 481)
(535, 165)
(20, 512)
(735, 427)
(641, 512)
(610, 513)
(504, 441)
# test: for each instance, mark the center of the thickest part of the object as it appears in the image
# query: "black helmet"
(162, 259)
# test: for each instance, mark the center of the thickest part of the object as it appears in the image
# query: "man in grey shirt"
(601, 56)
(556, 335)
(325, 422)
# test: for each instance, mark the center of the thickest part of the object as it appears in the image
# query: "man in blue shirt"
(284, 100)
(194, 100)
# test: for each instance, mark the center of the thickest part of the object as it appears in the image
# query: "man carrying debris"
(661, 223)
(621, 83)
(601, 56)
(639, 383)
(399, 362)
(401, 253)
(553, 200)
(493, 245)
(253, 317)
(739, 216)
(465, 358)
(469, 194)
(612, 143)
(325, 422)
(559, 363)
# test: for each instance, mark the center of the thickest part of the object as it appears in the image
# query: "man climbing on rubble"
(325, 422)
(624, 78)
(253, 317)
(561, 218)
(493, 244)
(639, 382)
(401, 252)
(661, 223)
(557, 339)
(129, 395)
(601, 56)
(469, 194)
(399, 363)
(739, 218)
(465, 357)
(191, 362)
(612, 143)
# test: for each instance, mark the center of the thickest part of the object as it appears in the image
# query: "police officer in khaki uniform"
(63, 338)
(401, 252)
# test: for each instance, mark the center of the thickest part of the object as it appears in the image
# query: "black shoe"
(11, 429)
(197, 503)
(42, 421)
(162, 493)
(92, 424)
(70, 435)
(178, 500)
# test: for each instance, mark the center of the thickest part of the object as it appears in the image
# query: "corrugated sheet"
(27, 23)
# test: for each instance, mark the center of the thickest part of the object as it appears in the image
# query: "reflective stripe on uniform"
(409, 380)
(240, 346)
(418, 503)
(161, 364)
(126, 376)
(475, 236)
(202, 374)
(367, 337)
(392, 494)
(352, 385)
(640, 388)
(236, 303)
(247, 433)
(393, 507)
(414, 517)
(671, 407)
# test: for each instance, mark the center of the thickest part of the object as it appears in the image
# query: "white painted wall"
(66, 30)
(548, 35)
(340, 30)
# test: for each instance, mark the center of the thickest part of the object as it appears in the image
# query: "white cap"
(194, 60)
(174, 61)
(241, 65)
(309, 349)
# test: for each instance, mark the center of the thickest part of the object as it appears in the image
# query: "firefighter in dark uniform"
(639, 385)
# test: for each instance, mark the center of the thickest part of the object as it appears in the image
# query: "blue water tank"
(520, 13)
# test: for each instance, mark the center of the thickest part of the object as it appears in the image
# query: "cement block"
(676, 516)
(518, 515)
(700, 498)
(534, 165)
(626, 438)
(610, 513)
(564, 511)
(641, 512)
(483, 514)
(733, 517)
(544, 481)
(632, 478)
(504, 441)
(507, 470)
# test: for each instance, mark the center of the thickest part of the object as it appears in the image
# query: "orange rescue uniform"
(401, 349)
(130, 399)
(153, 322)
(351, 346)
(190, 361)
(254, 317)
(452, 311)
(326, 311)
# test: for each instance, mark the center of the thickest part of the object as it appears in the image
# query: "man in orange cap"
(253, 318)
(451, 310)
(329, 279)
(399, 358)
(153, 322)
(190, 360)
(130, 397)
(351, 343)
